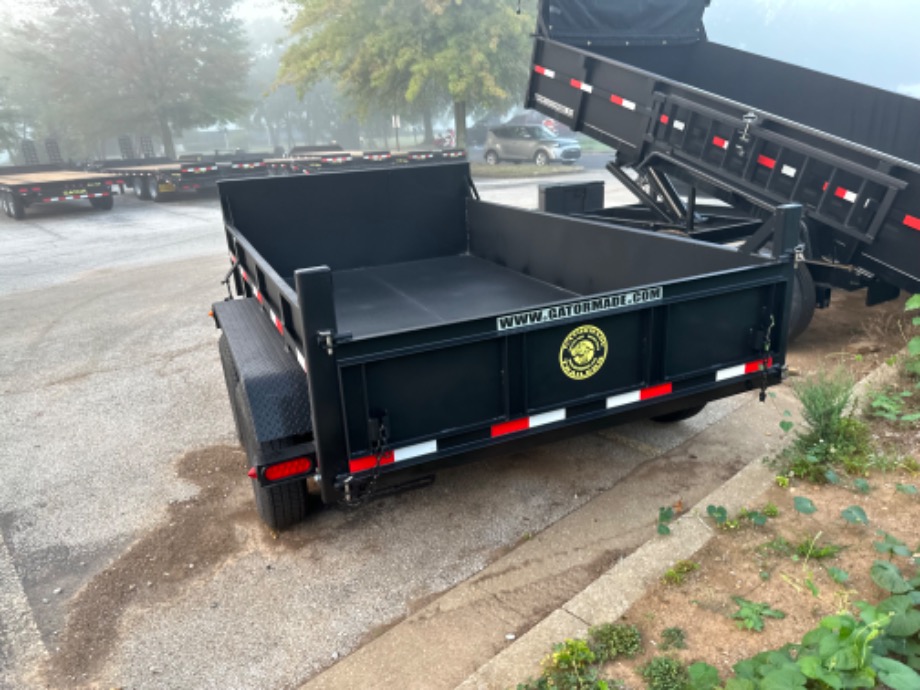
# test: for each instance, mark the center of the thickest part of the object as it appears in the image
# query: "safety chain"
(767, 344)
(378, 448)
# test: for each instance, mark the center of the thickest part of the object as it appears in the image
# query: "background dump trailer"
(24, 186)
(753, 132)
(386, 322)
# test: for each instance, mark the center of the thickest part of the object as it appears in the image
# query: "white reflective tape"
(587, 88)
(623, 399)
(788, 171)
(419, 449)
(549, 73)
(301, 360)
(730, 373)
(629, 105)
(678, 125)
(546, 418)
(849, 196)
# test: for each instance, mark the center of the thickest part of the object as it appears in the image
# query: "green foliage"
(677, 574)
(771, 511)
(665, 673)
(890, 546)
(809, 549)
(804, 505)
(839, 576)
(861, 485)
(665, 515)
(571, 666)
(750, 615)
(717, 513)
(782, 482)
(855, 515)
(611, 640)
(894, 406)
(673, 638)
(908, 489)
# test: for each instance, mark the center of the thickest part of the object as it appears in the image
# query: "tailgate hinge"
(329, 340)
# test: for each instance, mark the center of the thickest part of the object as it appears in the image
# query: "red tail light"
(288, 468)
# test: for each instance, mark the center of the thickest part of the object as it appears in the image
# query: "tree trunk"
(460, 123)
(169, 147)
(429, 126)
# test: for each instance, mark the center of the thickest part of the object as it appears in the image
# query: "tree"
(137, 65)
(398, 55)
(8, 119)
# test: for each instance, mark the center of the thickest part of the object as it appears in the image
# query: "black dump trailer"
(385, 322)
(752, 132)
(28, 185)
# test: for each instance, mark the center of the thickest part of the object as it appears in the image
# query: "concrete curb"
(607, 598)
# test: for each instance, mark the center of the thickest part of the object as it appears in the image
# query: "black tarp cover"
(622, 22)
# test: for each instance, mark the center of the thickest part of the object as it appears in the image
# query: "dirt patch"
(756, 564)
(197, 535)
(851, 334)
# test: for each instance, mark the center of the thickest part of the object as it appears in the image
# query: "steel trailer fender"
(273, 385)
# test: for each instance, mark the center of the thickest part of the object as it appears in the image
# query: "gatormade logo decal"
(583, 352)
(582, 308)
(554, 106)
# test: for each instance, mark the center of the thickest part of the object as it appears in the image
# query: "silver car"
(529, 143)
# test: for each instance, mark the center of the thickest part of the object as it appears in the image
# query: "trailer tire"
(492, 158)
(281, 506)
(153, 190)
(679, 415)
(102, 203)
(5, 204)
(541, 158)
(804, 301)
(140, 187)
(17, 207)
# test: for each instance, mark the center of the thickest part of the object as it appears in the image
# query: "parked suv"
(529, 143)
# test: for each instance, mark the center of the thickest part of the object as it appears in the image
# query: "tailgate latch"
(329, 340)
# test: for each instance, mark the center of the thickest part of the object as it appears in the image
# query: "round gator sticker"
(583, 352)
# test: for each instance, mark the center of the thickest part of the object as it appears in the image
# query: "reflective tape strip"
(845, 194)
(789, 171)
(766, 161)
(912, 222)
(619, 100)
(369, 462)
(525, 423)
(545, 72)
(276, 321)
(301, 360)
(416, 451)
(720, 142)
(587, 88)
(680, 126)
(743, 369)
(639, 395)
(664, 119)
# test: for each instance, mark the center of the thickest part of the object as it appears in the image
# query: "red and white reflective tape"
(639, 395)
(72, 197)
(545, 72)
(679, 125)
(845, 194)
(336, 159)
(246, 166)
(369, 462)
(455, 154)
(575, 84)
(912, 222)
(720, 142)
(788, 171)
(205, 168)
(623, 102)
(252, 283)
(744, 369)
(532, 422)
(276, 321)
(420, 156)
(378, 156)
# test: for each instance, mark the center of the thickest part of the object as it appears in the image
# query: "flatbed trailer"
(25, 186)
(753, 132)
(334, 159)
(385, 322)
(160, 180)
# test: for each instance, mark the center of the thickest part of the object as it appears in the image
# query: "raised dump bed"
(756, 133)
(387, 322)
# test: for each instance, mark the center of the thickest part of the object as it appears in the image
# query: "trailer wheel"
(153, 190)
(804, 301)
(492, 158)
(679, 415)
(541, 158)
(17, 207)
(140, 188)
(5, 204)
(102, 203)
(280, 506)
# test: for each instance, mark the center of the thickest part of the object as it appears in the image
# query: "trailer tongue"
(386, 322)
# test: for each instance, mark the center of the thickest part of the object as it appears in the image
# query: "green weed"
(615, 639)
(665, 673)
(673, 638)
(750, 614)
(677, 574)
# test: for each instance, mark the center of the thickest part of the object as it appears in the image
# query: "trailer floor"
(420, 294)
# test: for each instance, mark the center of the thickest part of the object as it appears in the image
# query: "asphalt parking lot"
(131, 554)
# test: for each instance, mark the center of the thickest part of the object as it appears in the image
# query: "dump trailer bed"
(24, 186)
(754, 132)
(385, 322)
